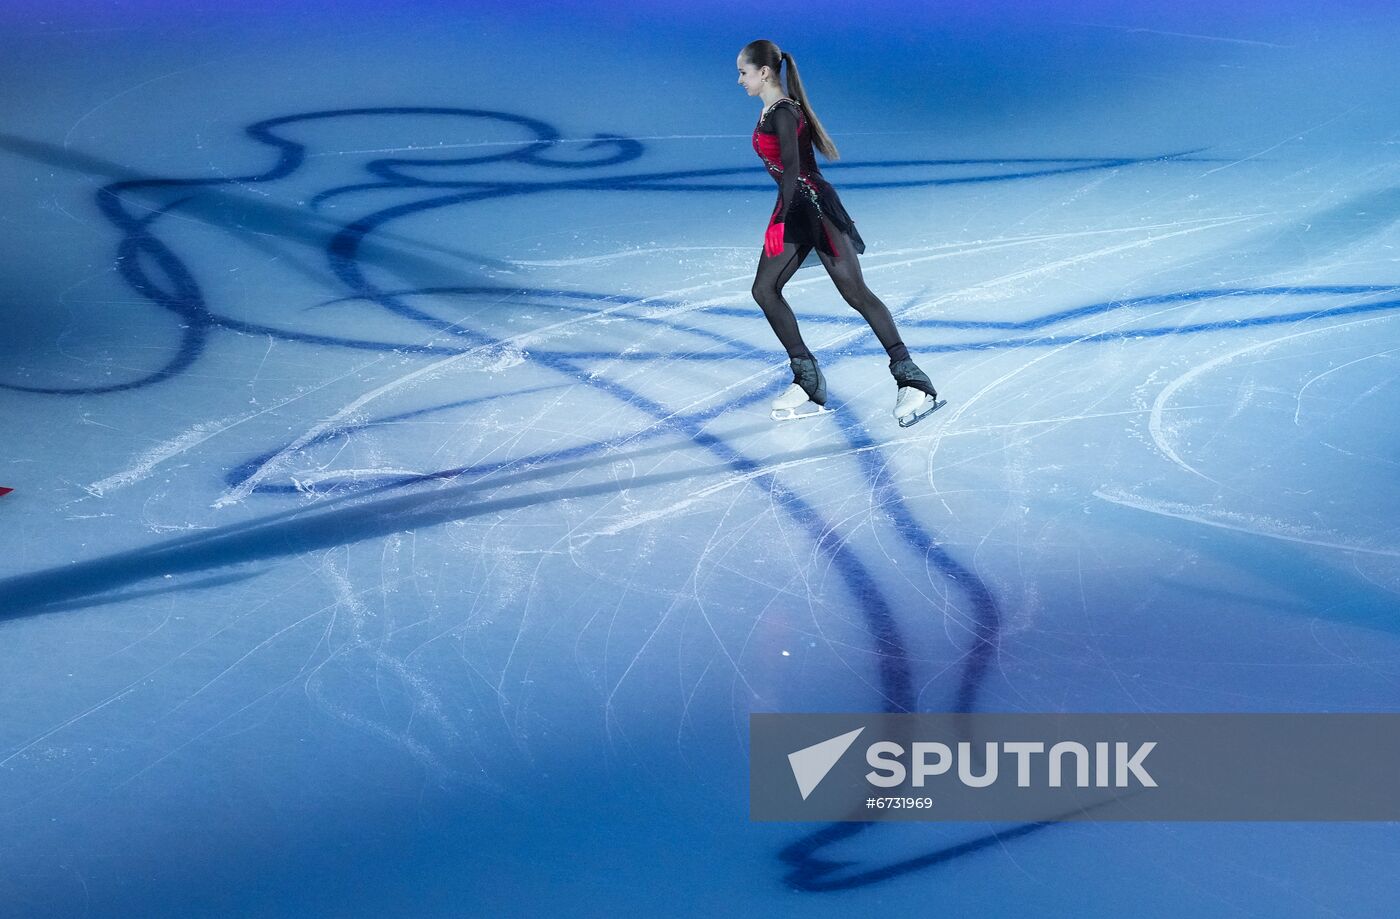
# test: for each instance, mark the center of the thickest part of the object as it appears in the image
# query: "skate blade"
(811, 409)
(908, 421)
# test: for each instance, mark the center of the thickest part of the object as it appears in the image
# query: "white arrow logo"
(811, 764)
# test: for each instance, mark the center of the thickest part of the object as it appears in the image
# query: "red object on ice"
(5, 491)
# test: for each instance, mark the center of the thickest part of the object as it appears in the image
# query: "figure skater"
(809, 215)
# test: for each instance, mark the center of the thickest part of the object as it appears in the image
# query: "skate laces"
(906, 370)
(806, 374)
(804, 369)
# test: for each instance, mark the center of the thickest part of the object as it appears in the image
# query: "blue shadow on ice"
(151, 267)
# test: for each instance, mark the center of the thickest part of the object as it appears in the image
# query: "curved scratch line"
(1191, 514)
(1154, 424)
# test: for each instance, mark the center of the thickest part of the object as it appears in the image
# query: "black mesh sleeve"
(785, 125)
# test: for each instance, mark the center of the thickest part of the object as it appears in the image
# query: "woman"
(807, 216)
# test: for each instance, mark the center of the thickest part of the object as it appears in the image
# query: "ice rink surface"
(399, 529)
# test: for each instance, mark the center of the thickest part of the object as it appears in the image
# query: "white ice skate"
(915, 398)
(913, 405)
(807, 394)
(794, 404)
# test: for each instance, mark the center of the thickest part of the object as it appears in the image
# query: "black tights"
(775, 271)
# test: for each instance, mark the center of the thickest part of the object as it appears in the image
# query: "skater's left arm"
(785, 122)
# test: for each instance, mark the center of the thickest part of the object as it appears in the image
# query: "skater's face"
(750, 77)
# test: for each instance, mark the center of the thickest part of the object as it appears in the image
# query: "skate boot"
(916, 398)
(806, 396)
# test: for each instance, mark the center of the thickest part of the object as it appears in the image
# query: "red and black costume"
(784, 143)
(814, 224)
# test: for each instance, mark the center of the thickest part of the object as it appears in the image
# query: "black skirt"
(814, 199)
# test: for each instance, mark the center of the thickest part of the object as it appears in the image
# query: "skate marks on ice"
(237, 205)
(140, 209)
(288, 533)
(1124, 330)
(565, 364)
(1268, 527)
(1307, 515)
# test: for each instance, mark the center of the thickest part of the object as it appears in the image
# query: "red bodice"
(769, 148)
(811, 203)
